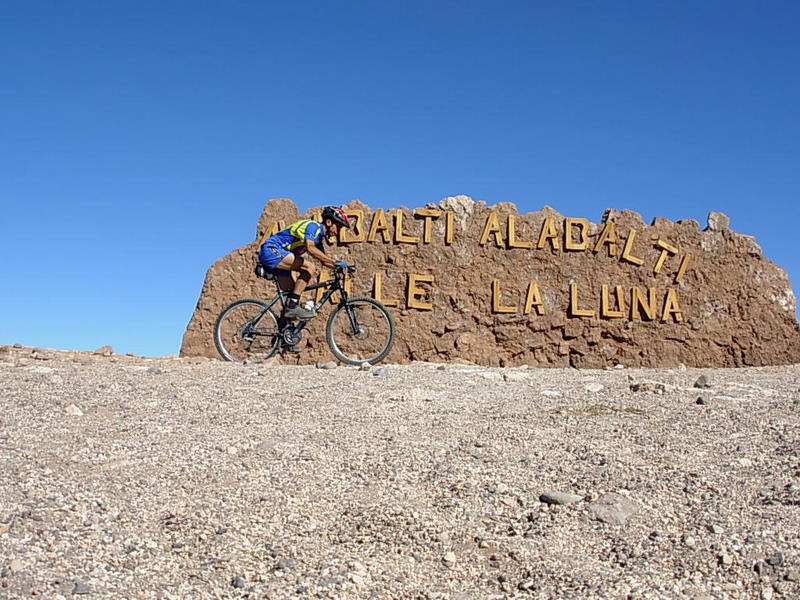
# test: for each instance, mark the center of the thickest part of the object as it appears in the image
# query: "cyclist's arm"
(314, 251)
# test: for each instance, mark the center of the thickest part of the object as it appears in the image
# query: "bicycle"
(359, 330)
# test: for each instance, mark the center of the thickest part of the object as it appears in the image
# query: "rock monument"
(470, 282)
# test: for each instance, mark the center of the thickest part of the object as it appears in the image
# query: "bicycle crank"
(291, 336)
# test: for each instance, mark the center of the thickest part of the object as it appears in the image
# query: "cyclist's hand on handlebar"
(340, 265)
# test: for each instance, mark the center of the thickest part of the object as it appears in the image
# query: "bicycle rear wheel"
(246, 331)
(359, 331)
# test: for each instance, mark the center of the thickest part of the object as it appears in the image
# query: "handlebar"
(351, 270)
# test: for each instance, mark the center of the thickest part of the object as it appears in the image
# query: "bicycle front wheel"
(359, 331)
(246, 331)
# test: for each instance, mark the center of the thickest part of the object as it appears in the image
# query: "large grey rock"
(613, 508)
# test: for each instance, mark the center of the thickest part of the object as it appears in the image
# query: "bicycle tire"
(228, 333)
(373, 317)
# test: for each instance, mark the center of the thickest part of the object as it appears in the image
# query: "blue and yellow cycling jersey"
(294, 237)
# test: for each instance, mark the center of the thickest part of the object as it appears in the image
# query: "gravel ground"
(128, 477)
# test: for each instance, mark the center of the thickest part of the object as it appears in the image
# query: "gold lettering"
(513, 242)
(627, 251)
(607, 237)
(379, 225)
(324, 275)
(377, 290)
(533, 299)
(273, 228)
(492, 227)
(428, 214)
(683, 267)
(671, 307)
(605, 303)
(497, 305)
(347, 236)
(415, 292)
(449, 226)
(549, 232)
(665, 250)
(569, 242)
(641, 307)
(573, 303)
(399, 236)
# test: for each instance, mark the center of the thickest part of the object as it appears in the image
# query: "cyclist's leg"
(305, 268)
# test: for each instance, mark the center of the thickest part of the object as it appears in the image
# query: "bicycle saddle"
(262, 271)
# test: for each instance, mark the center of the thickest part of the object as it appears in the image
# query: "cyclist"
(286, 251)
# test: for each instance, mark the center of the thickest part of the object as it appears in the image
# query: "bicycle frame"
(333, 286)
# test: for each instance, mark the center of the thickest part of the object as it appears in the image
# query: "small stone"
(233, 450)
(80, 588)
(715, 529)
(726, 560)
(560, 498)
(155, 370)
(449, 558)
(381, 372)
(365, 367)
(238, 582)
(15, 566)
(689, 541)
(476, 452)
(221, 530)
(703, 382)
(74, 411)
(594, 387)
(441, 368)
(286, 564)
(766, 593)
(619, 366)
(776, 560)
(793, 576)
(326, 365)
(701, 400)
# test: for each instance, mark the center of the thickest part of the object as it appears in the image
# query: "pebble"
(74, 411)
(365, 366)
(80, 588)
(715, 529)
(689, 541)
(155, 371)
(238, 582)
(326, 365)
(381, 372)
(701, 400)
(793, 576)
(776, 560)
(594, 387)
(449, 558)
(703, 382)
(559, 498)
(15, 566)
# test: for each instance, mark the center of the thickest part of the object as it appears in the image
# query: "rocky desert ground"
(166, 478)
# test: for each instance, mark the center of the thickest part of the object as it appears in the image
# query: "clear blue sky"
(140, 140)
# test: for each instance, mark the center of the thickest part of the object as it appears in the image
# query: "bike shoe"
(295, 349)
(298, 312)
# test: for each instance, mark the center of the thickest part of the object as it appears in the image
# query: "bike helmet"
(336, 215)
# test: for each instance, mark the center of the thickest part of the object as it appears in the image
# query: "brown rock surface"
(511, 289)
